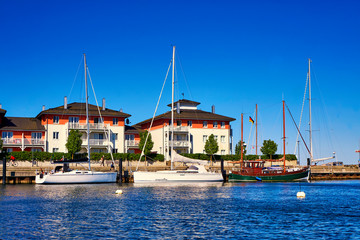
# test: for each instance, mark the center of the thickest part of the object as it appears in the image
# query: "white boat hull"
(177, 176)
(76, 177)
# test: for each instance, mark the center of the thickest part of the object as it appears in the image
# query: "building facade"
(192, 127)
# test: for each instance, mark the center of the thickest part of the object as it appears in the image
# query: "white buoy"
(300, 195)
(119, 192)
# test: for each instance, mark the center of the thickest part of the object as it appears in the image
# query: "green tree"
(211, 146)
(149, 143)
(74, 142)
(269, 148)
(238, 148)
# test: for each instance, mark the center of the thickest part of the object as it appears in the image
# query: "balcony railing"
(180, 143)
(132, 143)
(19, 141)
(92, 126)
(96, 142)
(181, 129)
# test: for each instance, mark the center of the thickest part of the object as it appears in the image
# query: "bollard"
(4, 171)
(120, 170)
(223, 172)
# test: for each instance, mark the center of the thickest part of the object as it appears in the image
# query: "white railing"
(20, 141)
(96, 142)
(132, 142)
(84, 125)
(12, 141)
(179, 143)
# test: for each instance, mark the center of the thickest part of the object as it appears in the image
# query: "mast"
(172, 109)
(242, 143)
(310, 130)
(284, 131)
(87, 113)
(256, 129)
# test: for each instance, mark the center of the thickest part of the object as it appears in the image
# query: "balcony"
(180, 143)
(179, 129)
(22, 142)
(96, 142)
(132, 143)
(92, 126)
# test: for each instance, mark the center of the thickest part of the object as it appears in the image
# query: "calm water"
(331, 210)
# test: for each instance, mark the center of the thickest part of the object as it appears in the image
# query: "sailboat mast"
(242, 142)
(310, 130)
(87, 112)
(284, 131)
(172, 108)
(256, 129)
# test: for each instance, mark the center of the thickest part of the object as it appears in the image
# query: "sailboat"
(64, 175)
(256, 170)
(195, 173)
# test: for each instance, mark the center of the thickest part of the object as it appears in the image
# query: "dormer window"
(56, 119)
(115, 121)
(204, 124)
(215, 125)
(222, 124)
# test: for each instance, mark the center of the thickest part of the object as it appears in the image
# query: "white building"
(192, 127)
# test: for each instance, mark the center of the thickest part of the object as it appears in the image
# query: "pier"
(25, 172)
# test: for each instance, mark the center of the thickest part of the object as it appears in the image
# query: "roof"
(191, 114)
(2, 111)
(132, 129)
(185, 101)
(80, 109)
(21, 123)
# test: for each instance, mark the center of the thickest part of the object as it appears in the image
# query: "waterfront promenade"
(25, 171)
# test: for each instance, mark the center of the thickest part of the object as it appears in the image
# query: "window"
(222, 124)
(56, 119)
(115, 121)
(9, 150)
(73, 119)
(36, 150)
(7, 135)
(189, 123)
(114, 136)
(98, 120)
(129, 137)
(115, 150)
(222, 139)
(36, 135)
(55, 150)
(204, 138)
(55, 135)
(222, 152)
(215, 125)
(216, 137)
(98, 136)
(204, 124)
(178, 123)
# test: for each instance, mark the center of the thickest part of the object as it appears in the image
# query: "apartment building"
(21, 133)
(106, 127)
(192, 127)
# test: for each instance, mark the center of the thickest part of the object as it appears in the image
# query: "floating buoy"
(119, 192)
(300, 195)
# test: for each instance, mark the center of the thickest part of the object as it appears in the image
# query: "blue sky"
(233, 54)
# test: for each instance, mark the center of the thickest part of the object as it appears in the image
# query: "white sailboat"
(63, 175)
(194, 173)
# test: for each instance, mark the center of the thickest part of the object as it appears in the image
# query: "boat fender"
(118, 191)
(300, 195)
(259, 179)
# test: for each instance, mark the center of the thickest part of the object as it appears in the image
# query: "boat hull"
(76, 177)
(289, 176)
(176, 176)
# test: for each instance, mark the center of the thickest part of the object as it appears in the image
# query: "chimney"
(213, 108)
(43, 108)
(0, 106)
(178, 107)
(65, 102)
(121, 110)
(103, 106)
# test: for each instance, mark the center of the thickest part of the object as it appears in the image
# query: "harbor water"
(330, 210)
